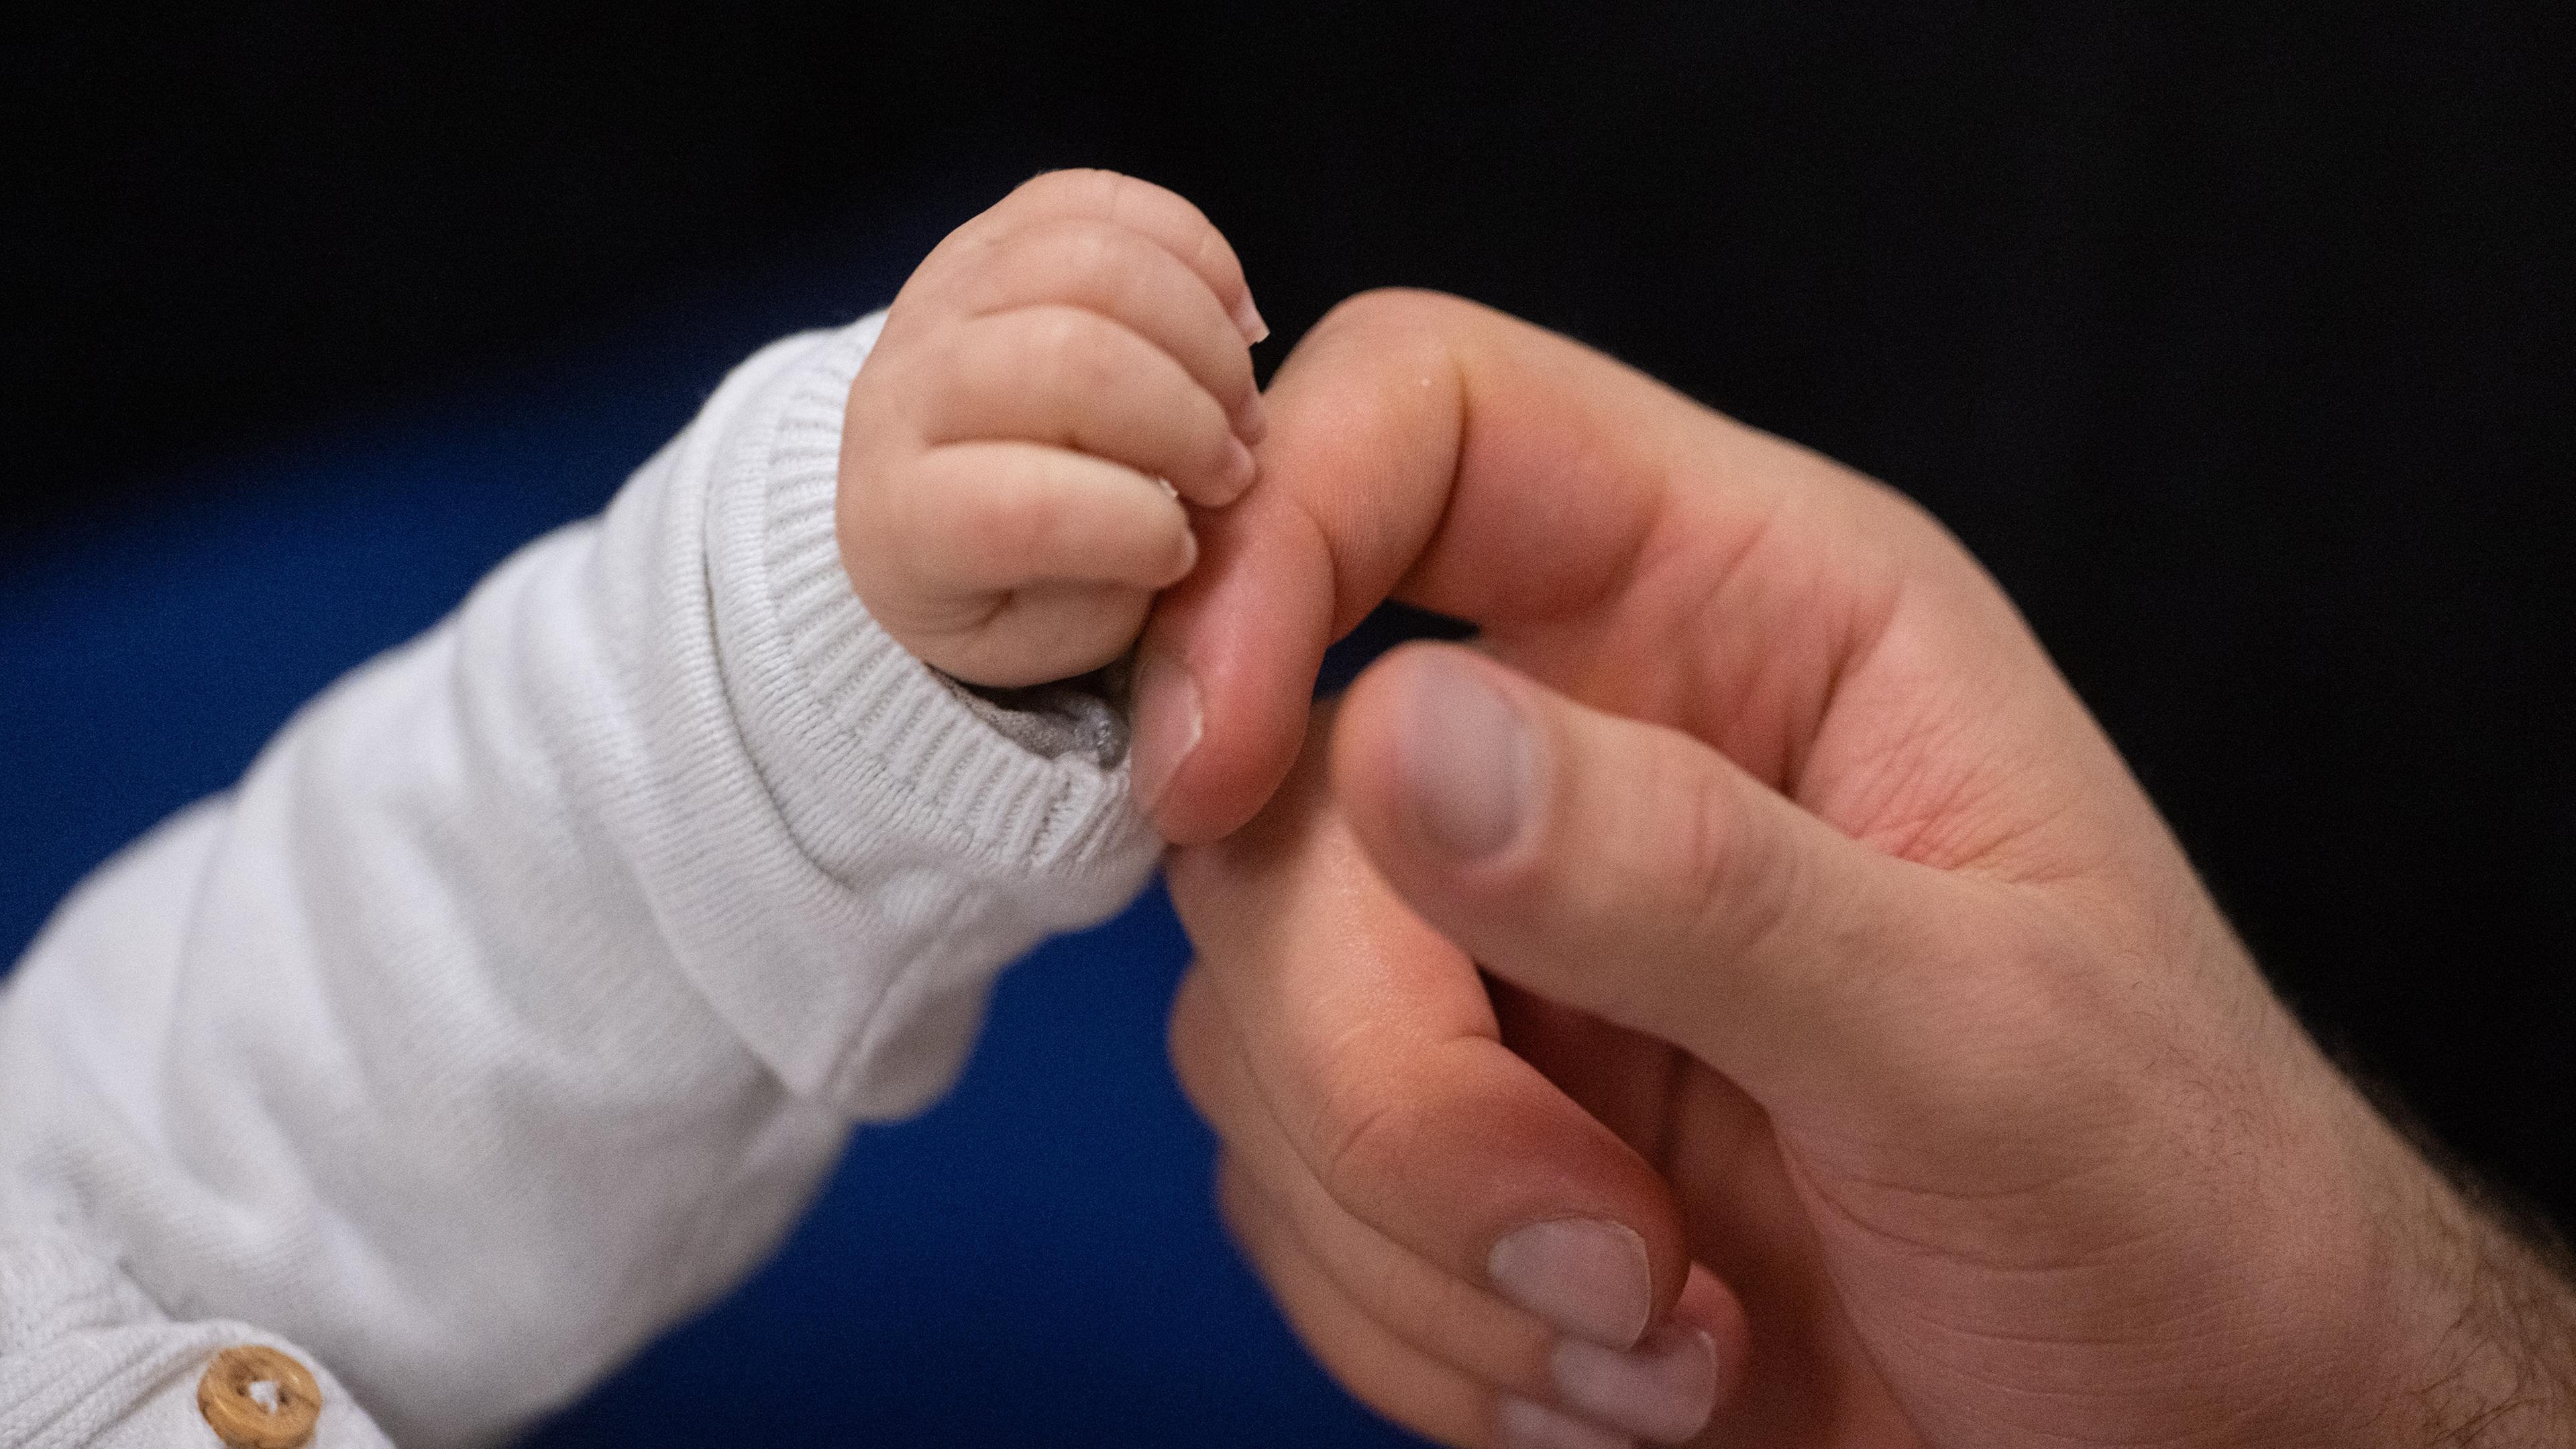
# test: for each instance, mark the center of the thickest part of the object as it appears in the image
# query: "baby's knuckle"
(920, 524)
(1208, 247)
(1017, 522)
(1083, 262)
(1083, 247)
(1072, 349)
(868, 484)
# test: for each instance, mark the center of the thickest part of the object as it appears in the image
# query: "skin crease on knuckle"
(1394, 1380)
(1085, 357)
(1427, 1306)
(1072, 259)
(1082, 252)
(1033, 524)
(1260, 1227)
(1068, 350)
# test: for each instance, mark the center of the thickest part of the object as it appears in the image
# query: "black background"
(2237, 342)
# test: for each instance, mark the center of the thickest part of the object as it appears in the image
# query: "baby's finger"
(1075, 379)
(1122, 275)
(994, 516)
(1044, 631)
(1162, 217)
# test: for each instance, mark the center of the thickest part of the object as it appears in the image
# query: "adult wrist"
(2481, 1310)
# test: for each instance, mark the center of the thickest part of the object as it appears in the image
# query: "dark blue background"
(1036, 1261)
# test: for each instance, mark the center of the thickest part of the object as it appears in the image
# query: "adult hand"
(1834, 951)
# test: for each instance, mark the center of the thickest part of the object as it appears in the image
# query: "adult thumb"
(1635, 873)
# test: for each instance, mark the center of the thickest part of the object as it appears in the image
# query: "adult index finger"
(1431, 449)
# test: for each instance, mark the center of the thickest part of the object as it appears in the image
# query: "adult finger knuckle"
(1727, 892)
(1360, 1134)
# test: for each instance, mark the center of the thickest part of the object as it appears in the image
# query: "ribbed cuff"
(840, 710)
(943, 843)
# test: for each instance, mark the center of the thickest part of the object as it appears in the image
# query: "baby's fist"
(1054, 379)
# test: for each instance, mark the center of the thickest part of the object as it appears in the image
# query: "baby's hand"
(1048, 370)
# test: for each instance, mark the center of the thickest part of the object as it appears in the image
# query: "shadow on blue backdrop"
(1033, 1262)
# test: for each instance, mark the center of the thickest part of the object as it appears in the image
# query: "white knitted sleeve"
(516, 1000)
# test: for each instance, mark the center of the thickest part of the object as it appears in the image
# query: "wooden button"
(258, 1398)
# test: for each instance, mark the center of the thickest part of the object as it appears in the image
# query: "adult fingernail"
(1525, 1425)
(1466, 759)
(1586, 1276)
(1247, 320)
(1168, 725)
(1239, 471)
(1661, 1390)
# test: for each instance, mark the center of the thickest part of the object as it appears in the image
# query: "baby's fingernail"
(1167, 725)
(1247, 320)
(1524, 1425)
(1254, 425)
(1586, 1276)
(1661, 1390)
